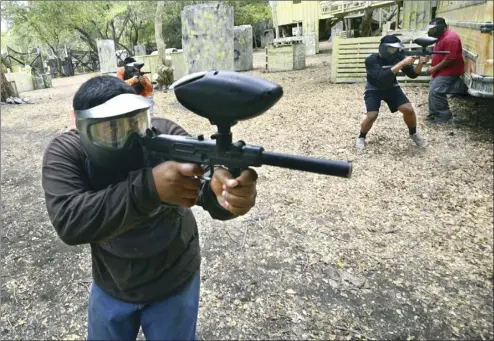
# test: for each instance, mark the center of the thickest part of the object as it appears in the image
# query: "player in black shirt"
(382, 85)
(104, 189)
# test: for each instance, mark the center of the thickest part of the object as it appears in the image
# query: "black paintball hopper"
(425, 41)
(242, 96)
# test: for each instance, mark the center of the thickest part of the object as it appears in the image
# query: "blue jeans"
(173, 318)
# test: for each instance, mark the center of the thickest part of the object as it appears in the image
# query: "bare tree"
(7, 90)
(158, 30)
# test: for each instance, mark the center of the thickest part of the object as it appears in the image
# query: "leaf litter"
(403, 249)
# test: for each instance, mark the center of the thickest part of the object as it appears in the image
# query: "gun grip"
(235, 172)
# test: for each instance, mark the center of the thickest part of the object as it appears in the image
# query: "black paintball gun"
(224, 98)
(134, 69)
(424, 42)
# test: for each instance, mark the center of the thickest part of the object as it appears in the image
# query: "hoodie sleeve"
(408, 70)
(384, 77)
(81, 215)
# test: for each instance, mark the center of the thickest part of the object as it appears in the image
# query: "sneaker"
(441, 119)
(360, 144)
(430, 117)
(419, 140)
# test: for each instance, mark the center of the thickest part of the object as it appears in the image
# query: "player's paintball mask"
(436, 27)
(110, 132)
(390, 47)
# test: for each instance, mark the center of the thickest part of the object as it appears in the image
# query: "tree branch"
(125, 47)
(123, 26)
(97, 29)
(87, 39)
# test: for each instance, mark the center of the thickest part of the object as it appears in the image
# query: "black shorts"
(394, 97)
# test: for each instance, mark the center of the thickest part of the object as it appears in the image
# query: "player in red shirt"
(446, 70)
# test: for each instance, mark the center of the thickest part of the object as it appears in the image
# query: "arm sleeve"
(81, 215)
(409, 70)
(148, 86)
(453, 46)
(207, 199)
(375, 71)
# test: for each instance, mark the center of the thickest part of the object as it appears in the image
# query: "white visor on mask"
(397, 45)
(114, 133)
(110, 124)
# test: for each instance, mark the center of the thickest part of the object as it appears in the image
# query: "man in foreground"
(132, 207)
(446, 70)
(382, 85)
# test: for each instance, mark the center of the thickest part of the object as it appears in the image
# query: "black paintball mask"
(390, 47)
(132, 69)
(436, 27)
(111, 132)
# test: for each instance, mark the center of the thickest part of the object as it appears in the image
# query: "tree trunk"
(7, 90)
(158, 31)
(366, 26)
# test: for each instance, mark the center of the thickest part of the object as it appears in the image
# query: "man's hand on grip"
(175, 182)
(408, 60)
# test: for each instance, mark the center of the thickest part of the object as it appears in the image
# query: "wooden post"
(334, 58)
(266, 58)
(397, 25)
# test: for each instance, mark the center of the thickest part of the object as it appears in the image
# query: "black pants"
(394, 98)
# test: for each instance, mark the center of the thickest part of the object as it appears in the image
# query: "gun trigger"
(239, 144)
(200, 137)
(213, 137)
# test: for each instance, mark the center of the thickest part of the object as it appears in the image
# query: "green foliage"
(55, 25)
(250, 12)
(37, 22)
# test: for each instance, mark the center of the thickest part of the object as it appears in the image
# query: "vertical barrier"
(207, 37)
(107, 56)
(243, 50)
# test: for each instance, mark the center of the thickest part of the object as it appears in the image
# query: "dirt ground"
(402, 250)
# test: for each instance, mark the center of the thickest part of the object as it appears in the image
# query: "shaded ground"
(402, 250)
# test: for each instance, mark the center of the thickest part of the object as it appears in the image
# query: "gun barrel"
(308, 164)
(422, 53)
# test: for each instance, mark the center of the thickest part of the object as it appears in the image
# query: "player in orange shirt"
(130, 72)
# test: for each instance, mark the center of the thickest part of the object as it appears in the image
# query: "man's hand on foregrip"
(424, 59)
(236, 195)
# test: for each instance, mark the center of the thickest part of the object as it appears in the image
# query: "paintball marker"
(424, 42)
(134, 69)
(224, 98)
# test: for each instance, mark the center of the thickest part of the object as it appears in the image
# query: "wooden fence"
(348, 64)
